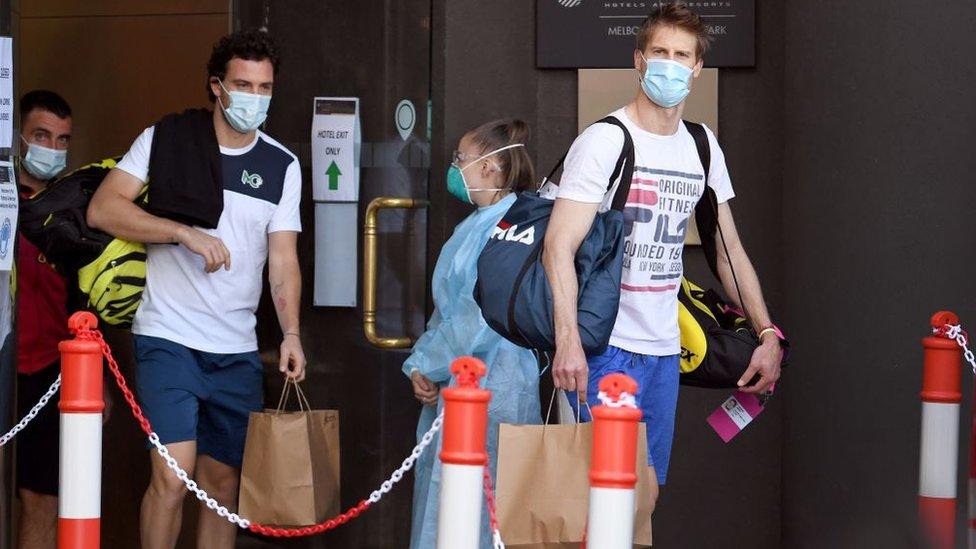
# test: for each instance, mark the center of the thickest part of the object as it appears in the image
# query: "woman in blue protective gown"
(489, 168)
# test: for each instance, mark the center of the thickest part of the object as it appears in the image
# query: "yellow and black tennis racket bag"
(109, 271)
(716, 341)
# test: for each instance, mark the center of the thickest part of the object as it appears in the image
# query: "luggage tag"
(736, 413)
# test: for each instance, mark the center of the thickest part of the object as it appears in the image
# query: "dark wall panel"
(736, 487)
(877, 222)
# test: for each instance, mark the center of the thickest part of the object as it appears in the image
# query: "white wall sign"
(8, 214)
(336, 142)
(6, 92)
(336, 254)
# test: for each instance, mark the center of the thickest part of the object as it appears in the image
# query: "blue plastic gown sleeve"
(465, 333)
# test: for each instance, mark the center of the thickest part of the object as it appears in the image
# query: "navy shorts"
(657, 396)
(193, 395)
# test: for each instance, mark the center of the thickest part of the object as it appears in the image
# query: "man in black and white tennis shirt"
(198, 373)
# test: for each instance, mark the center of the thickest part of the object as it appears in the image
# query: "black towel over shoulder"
(185, 169)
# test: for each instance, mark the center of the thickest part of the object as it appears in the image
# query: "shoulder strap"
(624, 168)
(697, 132)
(706, 217)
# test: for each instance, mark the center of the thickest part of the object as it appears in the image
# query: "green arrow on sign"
(333, 173)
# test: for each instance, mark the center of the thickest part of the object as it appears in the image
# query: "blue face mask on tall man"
(42, 162)
(247, 111)
(666, 82)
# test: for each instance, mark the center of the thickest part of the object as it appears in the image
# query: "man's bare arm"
(568, 226)
(285, 279)
(113, 210)
(766, 359)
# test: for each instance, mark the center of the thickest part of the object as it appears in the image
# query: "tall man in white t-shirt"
(667, 183)
(198, 373)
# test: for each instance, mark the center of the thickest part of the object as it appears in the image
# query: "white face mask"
(247, 111)
(42, 162)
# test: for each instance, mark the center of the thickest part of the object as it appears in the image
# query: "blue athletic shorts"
(657, 397)
(193, 395)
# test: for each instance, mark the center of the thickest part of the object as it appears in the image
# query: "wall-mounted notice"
(8, 214)
(6, 92)
(601, 34)
(336, 142)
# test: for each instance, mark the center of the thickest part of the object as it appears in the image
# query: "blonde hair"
(514, 163)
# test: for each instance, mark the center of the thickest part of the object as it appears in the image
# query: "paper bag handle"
(552, 399)
(286, 392)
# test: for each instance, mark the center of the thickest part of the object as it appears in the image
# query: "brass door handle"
(370, 271)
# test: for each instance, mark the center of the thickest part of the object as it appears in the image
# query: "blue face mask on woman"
(42, 162)
(457, 185)
(247, 111)
(666, 82)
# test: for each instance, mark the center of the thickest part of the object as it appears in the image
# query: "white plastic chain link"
(191, 485)
(397, 475)
(53, 390)
(496, 540)
(955, 332)
(237, 520)
(626, 400)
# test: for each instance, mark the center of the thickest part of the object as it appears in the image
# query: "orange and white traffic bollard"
(463, 457)
(79, 497)
(613, 468)
(939, 462)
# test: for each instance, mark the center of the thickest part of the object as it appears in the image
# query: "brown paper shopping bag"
(290, 475)
(543, 488)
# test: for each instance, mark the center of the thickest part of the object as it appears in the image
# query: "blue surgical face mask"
(457, 185)
(247, 111)
(666, 82)
(42, 162)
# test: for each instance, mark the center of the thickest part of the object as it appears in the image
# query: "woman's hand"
(424, 389)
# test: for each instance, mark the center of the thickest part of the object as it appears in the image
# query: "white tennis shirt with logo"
(214, 312)
(668, 182)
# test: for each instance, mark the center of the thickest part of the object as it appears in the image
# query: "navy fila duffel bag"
(513, 290)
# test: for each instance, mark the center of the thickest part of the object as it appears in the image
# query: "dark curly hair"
(251, 45)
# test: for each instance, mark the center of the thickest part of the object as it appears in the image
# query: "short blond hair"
(677, 15)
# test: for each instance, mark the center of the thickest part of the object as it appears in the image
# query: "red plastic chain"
(331, 524)
(490, 498)
(113, 366)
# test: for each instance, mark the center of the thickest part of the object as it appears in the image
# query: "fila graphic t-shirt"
(668, 182)
(215, 312)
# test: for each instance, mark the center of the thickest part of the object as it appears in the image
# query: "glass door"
(379, 52)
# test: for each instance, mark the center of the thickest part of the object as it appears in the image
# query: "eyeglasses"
(459, 157)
